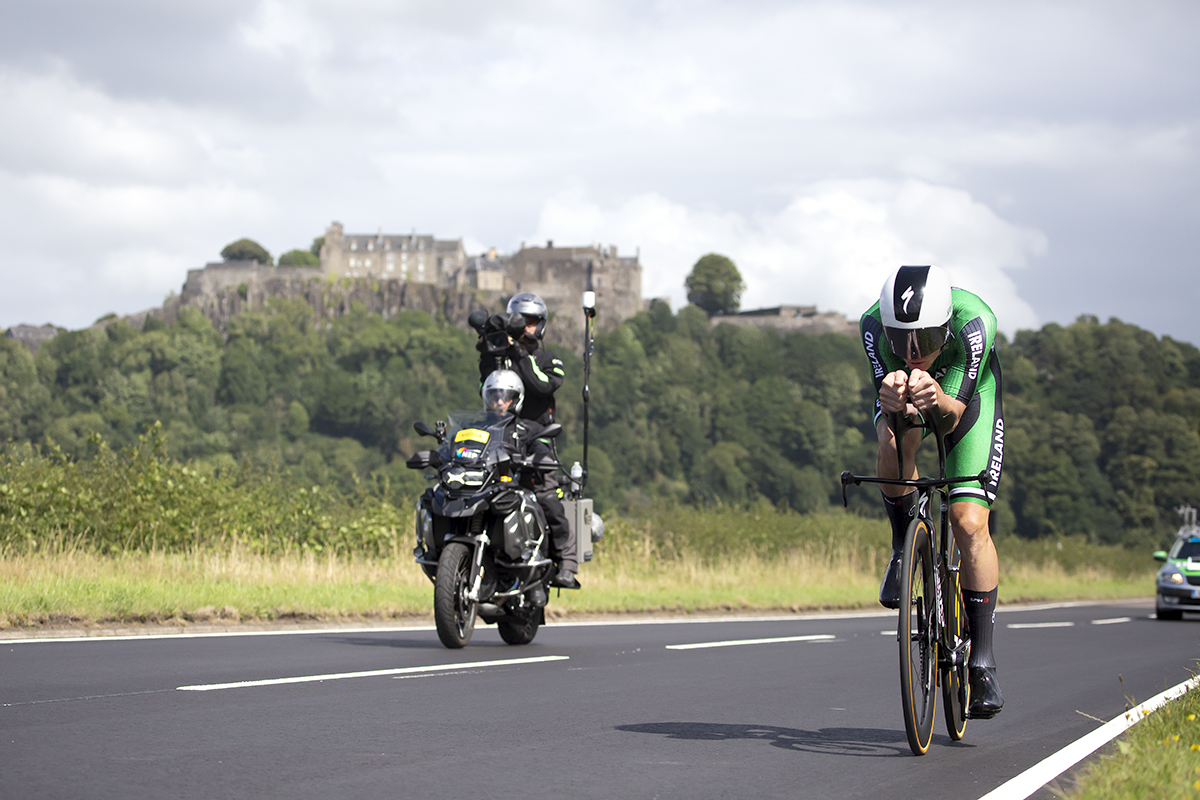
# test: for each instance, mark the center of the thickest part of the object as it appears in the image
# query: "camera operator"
(513, 341)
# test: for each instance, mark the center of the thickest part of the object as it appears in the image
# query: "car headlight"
(1170, 575)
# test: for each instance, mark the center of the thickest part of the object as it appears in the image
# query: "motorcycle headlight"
(457, 476)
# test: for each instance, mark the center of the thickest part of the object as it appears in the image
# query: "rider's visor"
(494, 396)
(916, 344)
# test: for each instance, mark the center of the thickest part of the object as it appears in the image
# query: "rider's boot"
(565, 577)
(986, 700)
(900, 511)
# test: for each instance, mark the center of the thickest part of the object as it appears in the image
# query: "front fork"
(475, 578)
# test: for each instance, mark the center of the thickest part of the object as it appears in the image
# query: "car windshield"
(1187, 548)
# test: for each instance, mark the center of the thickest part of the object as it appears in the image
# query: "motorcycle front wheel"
(453, 613)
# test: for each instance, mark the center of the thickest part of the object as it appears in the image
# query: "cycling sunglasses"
(916, 344)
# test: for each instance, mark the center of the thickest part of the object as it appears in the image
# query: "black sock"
(900, 511)
(980, 608)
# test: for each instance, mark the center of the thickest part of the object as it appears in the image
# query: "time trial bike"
(932, 630)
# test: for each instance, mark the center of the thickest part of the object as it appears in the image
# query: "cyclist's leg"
(900, 502)
(886, 464)
(976, 444)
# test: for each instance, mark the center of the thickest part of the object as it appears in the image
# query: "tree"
(246, 250)
(715, 285)
(317, 244)
(299, 258)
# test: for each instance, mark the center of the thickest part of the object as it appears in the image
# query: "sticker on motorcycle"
(471, 435)
(467, 452)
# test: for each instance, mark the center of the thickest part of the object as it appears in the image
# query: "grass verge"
(1157, 757)
(683, 560)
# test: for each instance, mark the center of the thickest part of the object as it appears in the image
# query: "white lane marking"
(1040, 625)
(126, 637)
(337, 676)
(816, 637)
(1113, 621)
(887, 633)
(1048, 769)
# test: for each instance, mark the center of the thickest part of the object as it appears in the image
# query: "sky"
(1047, 154)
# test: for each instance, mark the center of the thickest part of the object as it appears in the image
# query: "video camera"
(495, 330)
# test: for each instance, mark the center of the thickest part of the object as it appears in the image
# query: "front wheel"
(453, 613)
(1172, 614)
(916, 632)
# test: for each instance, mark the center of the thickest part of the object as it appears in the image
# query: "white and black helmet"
(531, 306)
(503, 384)
(915, 307)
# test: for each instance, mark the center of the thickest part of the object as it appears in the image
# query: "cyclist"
(931, 349)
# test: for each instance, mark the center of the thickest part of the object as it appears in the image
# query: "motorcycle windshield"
(473, 436)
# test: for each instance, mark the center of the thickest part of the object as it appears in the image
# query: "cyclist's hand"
(922, 390)
(893, 393)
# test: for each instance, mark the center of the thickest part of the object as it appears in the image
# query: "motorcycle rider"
(541, 373)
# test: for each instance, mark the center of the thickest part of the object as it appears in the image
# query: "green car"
(1179, 579)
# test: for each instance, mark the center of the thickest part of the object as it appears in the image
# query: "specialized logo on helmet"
(908, 293)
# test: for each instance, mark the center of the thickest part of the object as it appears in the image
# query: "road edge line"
(1049, 768)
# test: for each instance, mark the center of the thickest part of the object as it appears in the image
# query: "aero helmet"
(503, 384)
(915, 308)
(530, 305)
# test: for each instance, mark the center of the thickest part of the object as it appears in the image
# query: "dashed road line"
(337, 676)
(1040, 625)
(816, 637)
(1113, 621)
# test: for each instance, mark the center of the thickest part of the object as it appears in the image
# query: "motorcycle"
(482, 539)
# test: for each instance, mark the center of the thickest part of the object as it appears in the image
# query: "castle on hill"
(390, 273)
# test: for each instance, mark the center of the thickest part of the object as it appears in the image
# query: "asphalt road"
(609, 712)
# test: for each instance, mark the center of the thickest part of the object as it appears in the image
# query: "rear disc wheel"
(953, 677)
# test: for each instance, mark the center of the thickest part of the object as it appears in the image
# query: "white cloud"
(832, 245)
(282, 30)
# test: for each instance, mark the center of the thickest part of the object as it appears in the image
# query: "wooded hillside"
(1103, 420)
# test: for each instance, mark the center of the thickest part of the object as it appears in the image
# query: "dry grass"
(829, 562)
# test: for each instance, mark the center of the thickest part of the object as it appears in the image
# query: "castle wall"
(560, 275)
(418, 258)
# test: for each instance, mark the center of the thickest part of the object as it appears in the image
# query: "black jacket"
(540, 371)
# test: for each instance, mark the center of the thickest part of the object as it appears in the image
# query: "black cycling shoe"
(565, 580)
(889, 590)
(986, 700)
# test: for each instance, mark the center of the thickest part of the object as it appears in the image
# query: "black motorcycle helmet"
(530, 305)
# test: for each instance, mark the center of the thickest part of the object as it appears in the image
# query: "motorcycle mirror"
(419, 460)
(477, 319)
(424, 429)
